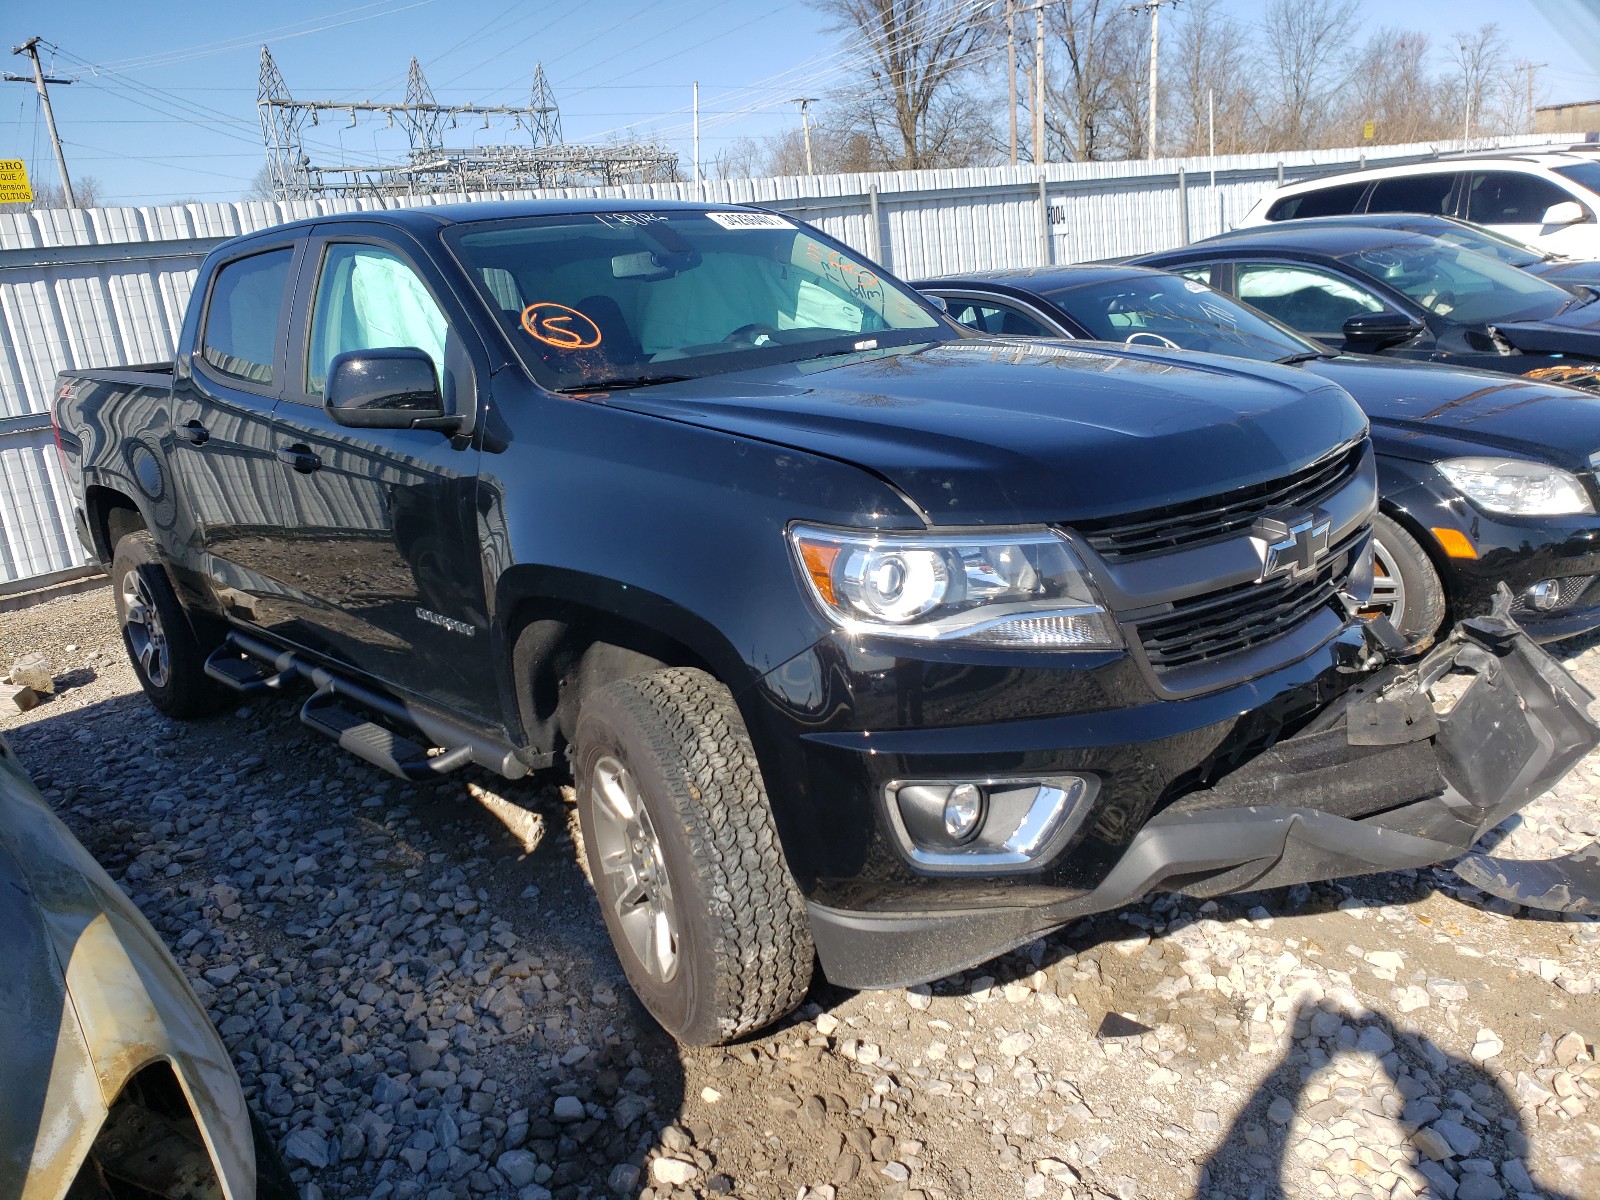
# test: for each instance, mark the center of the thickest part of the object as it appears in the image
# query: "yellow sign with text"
(14, 187)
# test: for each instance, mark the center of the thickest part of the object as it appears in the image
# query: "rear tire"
(166, 655)
(1406, 588)
(683, 852)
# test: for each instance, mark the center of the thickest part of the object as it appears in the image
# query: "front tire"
(684, 855)
(166, 656)
(1406, 588)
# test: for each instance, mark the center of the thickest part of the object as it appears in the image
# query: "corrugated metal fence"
(102, 287)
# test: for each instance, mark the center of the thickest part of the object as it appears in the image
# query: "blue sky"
(164, 107)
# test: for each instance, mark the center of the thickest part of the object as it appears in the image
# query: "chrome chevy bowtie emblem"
(1291, 546)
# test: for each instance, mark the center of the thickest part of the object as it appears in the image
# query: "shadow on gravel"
(1456, 1122)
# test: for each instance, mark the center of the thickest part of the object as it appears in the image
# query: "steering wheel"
(752, 333)
(1133, 340)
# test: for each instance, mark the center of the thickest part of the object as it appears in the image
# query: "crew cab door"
(382, 522)
(226, 506)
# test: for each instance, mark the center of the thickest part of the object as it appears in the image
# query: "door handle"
(300, 457)
(194, 433)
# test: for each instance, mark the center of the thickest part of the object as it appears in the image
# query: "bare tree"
(1305, 41)
(1479, 80)
(1213, 68)
(918, 52)
(88, 191)
(261, 185)
(1390, 85)
(1099, 47)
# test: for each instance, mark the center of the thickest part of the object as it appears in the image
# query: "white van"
(1549, 200)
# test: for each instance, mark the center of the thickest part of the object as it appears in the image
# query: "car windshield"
(1475, 237)
(628, 298)
(1466, 287)
(1167, 310)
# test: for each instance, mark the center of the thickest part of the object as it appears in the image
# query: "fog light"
(989, 826)
(962, 810)
(1544, 595)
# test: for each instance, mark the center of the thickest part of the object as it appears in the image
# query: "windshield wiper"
(1290, 360)
(622, 383)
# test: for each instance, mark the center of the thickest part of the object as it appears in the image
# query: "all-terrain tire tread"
(759, 933)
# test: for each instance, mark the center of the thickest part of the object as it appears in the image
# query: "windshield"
(1585, 175)
(1467, 287)
(1166, 310)
(596, 299)
(1484, 241)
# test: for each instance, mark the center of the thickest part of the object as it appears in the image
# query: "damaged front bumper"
(1408, 768)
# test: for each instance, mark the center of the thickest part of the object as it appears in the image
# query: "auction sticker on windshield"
(750, 220)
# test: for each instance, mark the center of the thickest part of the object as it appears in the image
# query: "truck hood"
(1411, 403)
(980, 431)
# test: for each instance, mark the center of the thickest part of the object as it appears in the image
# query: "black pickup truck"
(866, 638)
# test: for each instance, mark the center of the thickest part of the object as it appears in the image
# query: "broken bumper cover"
(1322, 804)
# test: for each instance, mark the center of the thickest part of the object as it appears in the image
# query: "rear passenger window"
(1511, 198)
(1426, 193)
(988, 317)
(1336, 201)
(242, 318)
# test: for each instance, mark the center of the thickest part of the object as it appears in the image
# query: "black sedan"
(1405, 295)
(1482, 477)
(1570, 273)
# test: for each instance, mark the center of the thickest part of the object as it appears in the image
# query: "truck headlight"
(1021, 588)
(1517, 486)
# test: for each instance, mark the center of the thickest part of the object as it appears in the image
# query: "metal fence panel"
(104, 287)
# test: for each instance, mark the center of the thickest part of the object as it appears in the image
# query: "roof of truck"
(421, 218)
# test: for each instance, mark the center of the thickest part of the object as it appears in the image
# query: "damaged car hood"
(982, 431)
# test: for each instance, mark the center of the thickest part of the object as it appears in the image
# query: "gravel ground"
(418, 991)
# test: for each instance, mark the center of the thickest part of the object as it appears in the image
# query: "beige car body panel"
(120, 1004)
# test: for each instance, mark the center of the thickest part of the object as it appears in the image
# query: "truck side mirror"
(1567, 212)
(393, 387)
(1376, 331)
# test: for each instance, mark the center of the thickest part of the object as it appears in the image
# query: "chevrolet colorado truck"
(867, 639)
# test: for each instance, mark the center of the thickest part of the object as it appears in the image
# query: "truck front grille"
(1217, 518)
(1221, 623)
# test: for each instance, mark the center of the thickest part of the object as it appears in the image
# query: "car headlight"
(1021, 588)
(1517, 486)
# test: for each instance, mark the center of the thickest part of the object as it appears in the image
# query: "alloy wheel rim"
(146, 636)
(1388, 587)
(629, 853)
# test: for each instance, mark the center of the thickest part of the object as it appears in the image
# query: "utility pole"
(697, 133)
(1011, 73)
(1530, 68)
(31, 49)
(1038, 84)
(805, 102)
(1153, 7)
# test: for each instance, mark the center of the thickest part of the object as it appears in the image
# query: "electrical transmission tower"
(546, 123)
(431, 165)
(422, 116)
(280, 129)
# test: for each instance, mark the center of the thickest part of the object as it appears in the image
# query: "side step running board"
(380, 746)
(250, 666)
